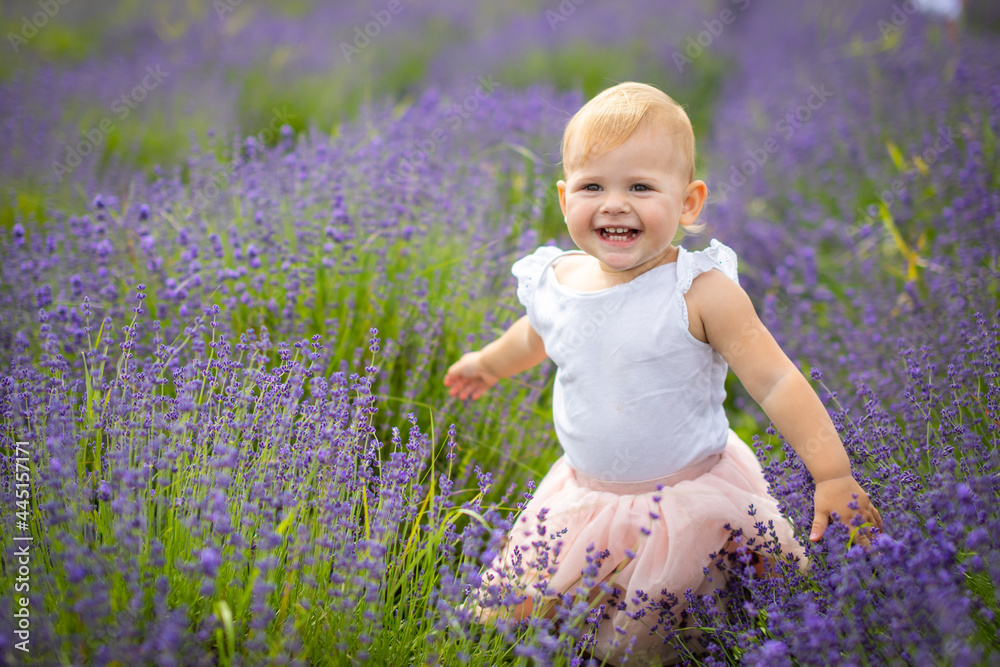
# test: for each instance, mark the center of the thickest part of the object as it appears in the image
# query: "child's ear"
(561, 186)
(694, 199)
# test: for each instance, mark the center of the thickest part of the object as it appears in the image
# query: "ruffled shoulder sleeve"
(690, 265)
(528, 270)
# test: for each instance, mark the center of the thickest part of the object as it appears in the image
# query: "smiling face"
(624, 206)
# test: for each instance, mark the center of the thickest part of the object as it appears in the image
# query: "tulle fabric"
(657, 540)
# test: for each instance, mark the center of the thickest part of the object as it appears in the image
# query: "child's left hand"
(834, 495)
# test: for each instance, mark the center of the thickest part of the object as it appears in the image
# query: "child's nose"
(614, 203)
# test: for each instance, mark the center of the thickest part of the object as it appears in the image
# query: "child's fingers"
(820, 522)
(464, 388)
(871, 514)
(872, 517)
(864, 539)
(480, 390)
(451, 375)
(456, 368)
(454, 375)
(457, 386)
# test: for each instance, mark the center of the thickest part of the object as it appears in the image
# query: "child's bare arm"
(732, 327)
(518, 349)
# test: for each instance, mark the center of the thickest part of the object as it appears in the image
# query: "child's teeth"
(618, 233)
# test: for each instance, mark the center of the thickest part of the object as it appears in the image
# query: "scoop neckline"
(550, 268)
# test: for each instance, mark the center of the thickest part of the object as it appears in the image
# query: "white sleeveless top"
(636, 396)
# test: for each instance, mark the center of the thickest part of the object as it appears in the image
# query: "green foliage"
(589, 69)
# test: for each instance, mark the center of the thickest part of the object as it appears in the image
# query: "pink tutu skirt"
(654, 541)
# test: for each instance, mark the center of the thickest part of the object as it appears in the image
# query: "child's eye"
(639, 187)
(592, 187)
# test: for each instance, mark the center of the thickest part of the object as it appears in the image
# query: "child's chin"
(625, 254)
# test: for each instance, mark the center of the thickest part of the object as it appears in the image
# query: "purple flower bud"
(210, 561)
(75, 573)
(977, 538)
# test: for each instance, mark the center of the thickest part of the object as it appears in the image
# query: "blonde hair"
(611, 117)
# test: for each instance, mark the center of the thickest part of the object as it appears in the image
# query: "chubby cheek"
(578, 220)
(579, 209)
(666, 211)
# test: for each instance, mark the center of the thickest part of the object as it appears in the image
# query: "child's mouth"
(618, 234)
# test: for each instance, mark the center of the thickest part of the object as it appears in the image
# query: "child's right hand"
(468, 377)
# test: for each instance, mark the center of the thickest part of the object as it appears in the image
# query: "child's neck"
(585, 273)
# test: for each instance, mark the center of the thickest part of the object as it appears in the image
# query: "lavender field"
(242, 241)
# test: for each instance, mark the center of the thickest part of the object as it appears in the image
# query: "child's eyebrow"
(627, 177)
